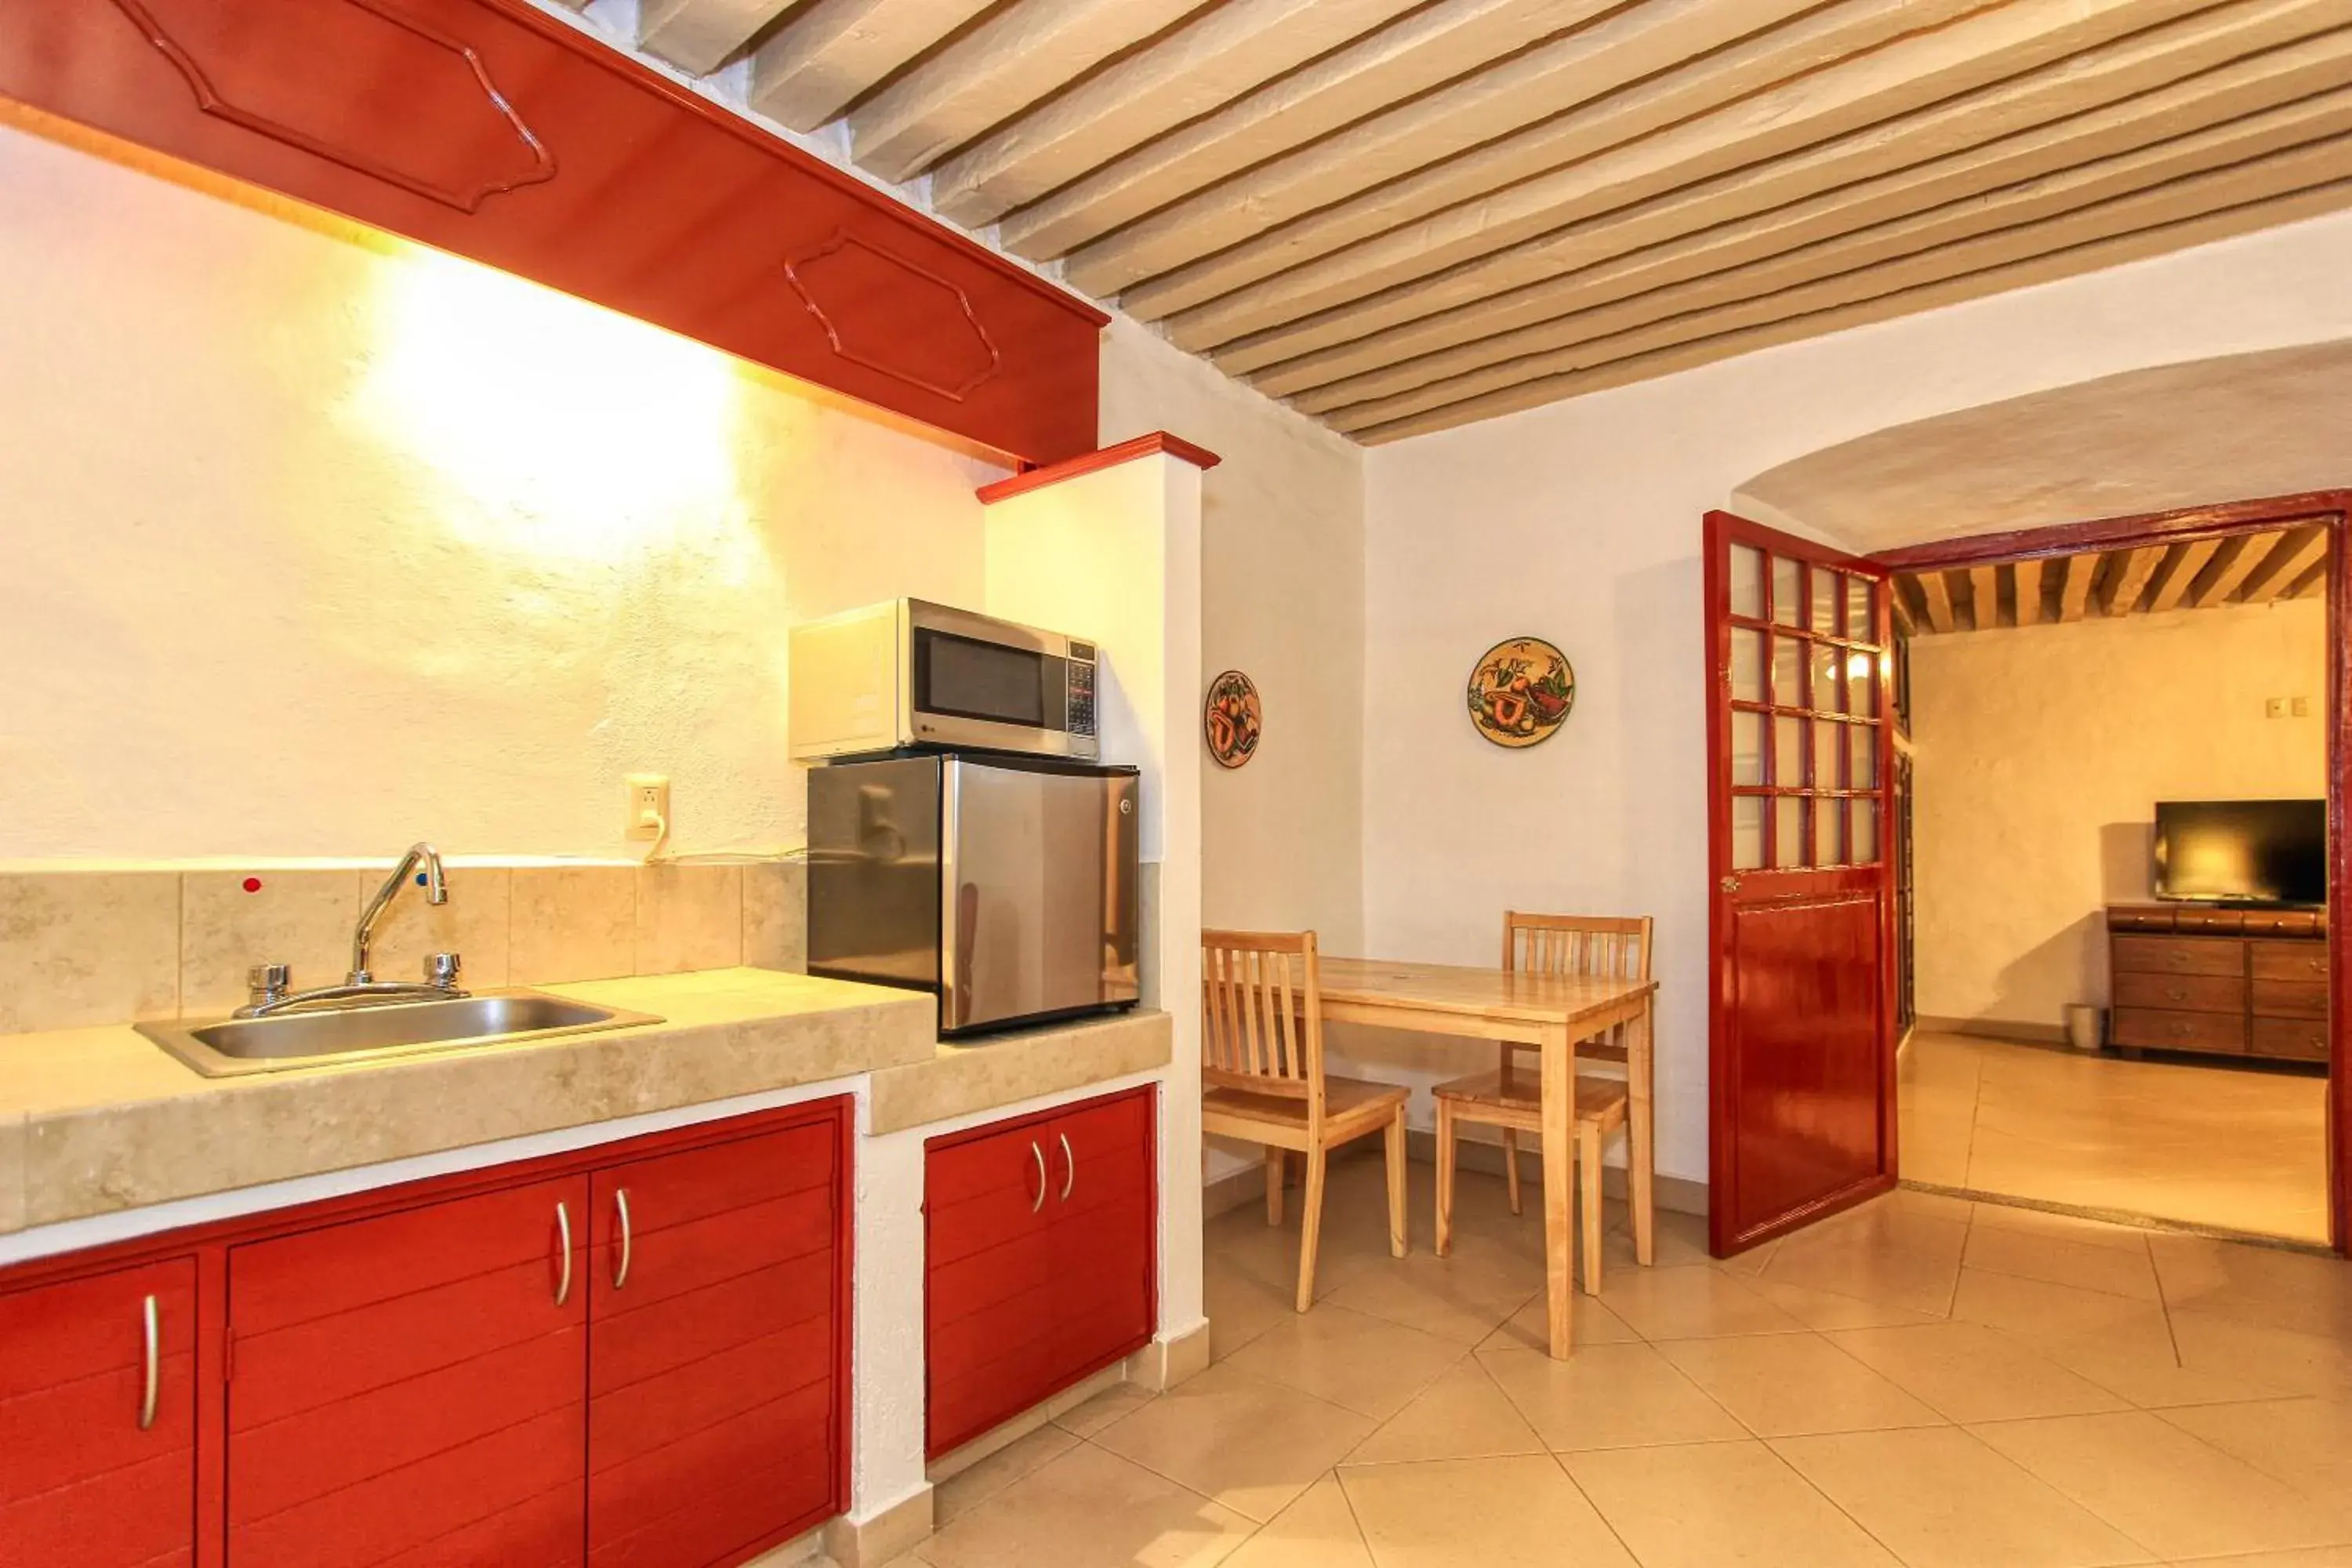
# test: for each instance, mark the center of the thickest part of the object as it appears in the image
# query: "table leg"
(1559, 1185)
(1641, 1070)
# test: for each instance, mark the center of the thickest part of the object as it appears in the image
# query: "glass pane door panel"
(1787, 672)
(1747, 748)
(1788, 831)
(1788, 590)
(1861, 754)
(1828, 741)
(1865, 832)
(1747, 832)
(1861, 610)
(1746, 666)
(1747, 581)
(1861, 683)
(1825, 832)
(1828, 609)
(1788, 753)
(1828, 698)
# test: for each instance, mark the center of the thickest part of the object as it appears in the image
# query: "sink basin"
(237, 1046)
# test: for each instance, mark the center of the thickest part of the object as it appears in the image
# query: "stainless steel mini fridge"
(1005, 885)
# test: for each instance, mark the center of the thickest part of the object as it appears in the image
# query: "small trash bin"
(2087, 1026)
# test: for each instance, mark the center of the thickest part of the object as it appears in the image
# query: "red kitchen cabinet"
(1041, 1259)
(714, 1351)
(97, 1456)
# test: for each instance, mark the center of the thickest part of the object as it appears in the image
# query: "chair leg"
(1445, 1177)
(1511, 1166)
(1588, 1177)
(1310, 1227)
(1276, 1171)
(1397, 1231)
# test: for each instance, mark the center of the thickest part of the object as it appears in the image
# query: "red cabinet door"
(408, 1390)
(715, 1349)
(1041, 1259)
(98, 1460)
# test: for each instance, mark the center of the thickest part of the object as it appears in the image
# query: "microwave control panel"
(1082, 689)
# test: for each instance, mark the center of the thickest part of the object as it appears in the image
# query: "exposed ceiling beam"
(2127, 579)
(2029, 592)
(2179, 572)
(1984, 598)
(1734, 219)
(2074, 587)
(1669, 358)
(697, 36)
(2296, 552)
(2238, 555)
(1680, 37)
(2313, 580)
(1417, 52)
(1936, 596)
(1904, 599)
(1219, 57)
(1022, 52)
(829, 52)
(1907, 94)
(1950, 241)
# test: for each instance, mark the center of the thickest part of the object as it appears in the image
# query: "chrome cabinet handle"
(563, 1235)
(628, 1238)
(1039, 1155)
(152, 1321)
(1070, 1169)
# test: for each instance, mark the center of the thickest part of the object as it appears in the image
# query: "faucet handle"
(265, 983)
(442, 969)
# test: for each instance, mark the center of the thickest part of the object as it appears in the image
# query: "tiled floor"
(2231, 1148)
(1922, 1382)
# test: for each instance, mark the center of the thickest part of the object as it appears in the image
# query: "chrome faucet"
(269, 986)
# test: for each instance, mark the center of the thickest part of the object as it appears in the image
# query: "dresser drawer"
(2290, 961)
(2181, 992)
(2284, 923)
(2298, 1039)
(2178, 955)
(2154, 1029)
(2291, 999)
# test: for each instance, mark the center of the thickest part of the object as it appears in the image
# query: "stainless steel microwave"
(908, 673)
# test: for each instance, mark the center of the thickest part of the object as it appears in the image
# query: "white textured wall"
(1580, 523)
(2041, 751)
(317, 542)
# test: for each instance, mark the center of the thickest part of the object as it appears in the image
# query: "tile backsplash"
(114, 946)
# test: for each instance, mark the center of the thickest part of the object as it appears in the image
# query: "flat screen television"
(2242, 851)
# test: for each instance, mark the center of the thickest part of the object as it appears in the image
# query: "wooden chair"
(1262, 1081)
(1510, 1097)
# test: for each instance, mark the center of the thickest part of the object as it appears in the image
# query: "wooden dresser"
(2240, 983)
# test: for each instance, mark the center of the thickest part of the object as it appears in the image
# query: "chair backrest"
(1262, 1005)
(1612, 947)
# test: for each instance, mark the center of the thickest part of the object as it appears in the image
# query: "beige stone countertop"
(99, 1119)
(1023, 1064)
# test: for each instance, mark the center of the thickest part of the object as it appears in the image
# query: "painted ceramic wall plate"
(1521, 692)
(1233, 719)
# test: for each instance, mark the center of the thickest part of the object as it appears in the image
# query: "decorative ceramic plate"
(1521, 692)
(1231, 718)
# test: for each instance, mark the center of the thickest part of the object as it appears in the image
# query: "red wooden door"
(1105, 1236)
(989, 1268)
(1801, 1058)
(98, 1461)
(713, 1350)
(408, 1390)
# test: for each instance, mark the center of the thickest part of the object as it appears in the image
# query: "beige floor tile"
(1608, 1396)
(2266, 1286)
(1825, 1309)
(1465, 1415)
(1241, 1304)
(2306, 1443)
(2167, 1491)
(1090, 1509)
(1749, 1264)
(1679, 1242)
(1318, 1531)
(1970, 1373)
(1941, 1498)
(1250, 1445)
(1364, 1363)
(1529, 1328)
(1878, 1255)
(2059, 1260)
(2310, 1557)
(1783, 1385)
(976, 1483)
(2043, 1313)
(2062, 1227)
(1917, 1204)
(1479, 1513)
(1690, 1303)
(2278, 1358)
(1463, 1297)
(1710, 1504)
(1114, 1404)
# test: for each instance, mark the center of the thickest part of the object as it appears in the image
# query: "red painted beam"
(1094, 462)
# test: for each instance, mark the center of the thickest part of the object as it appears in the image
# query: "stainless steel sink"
(300, 1039)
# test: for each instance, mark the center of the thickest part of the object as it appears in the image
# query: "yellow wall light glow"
(558, 430)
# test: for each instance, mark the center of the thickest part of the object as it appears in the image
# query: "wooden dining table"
(1552, 1014)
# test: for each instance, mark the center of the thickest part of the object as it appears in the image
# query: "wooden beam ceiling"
(1405, 215)
(2280, 563)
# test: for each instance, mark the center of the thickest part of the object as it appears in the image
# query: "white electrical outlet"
(646, 807)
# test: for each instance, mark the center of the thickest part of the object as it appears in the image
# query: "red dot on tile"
(253, 884)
